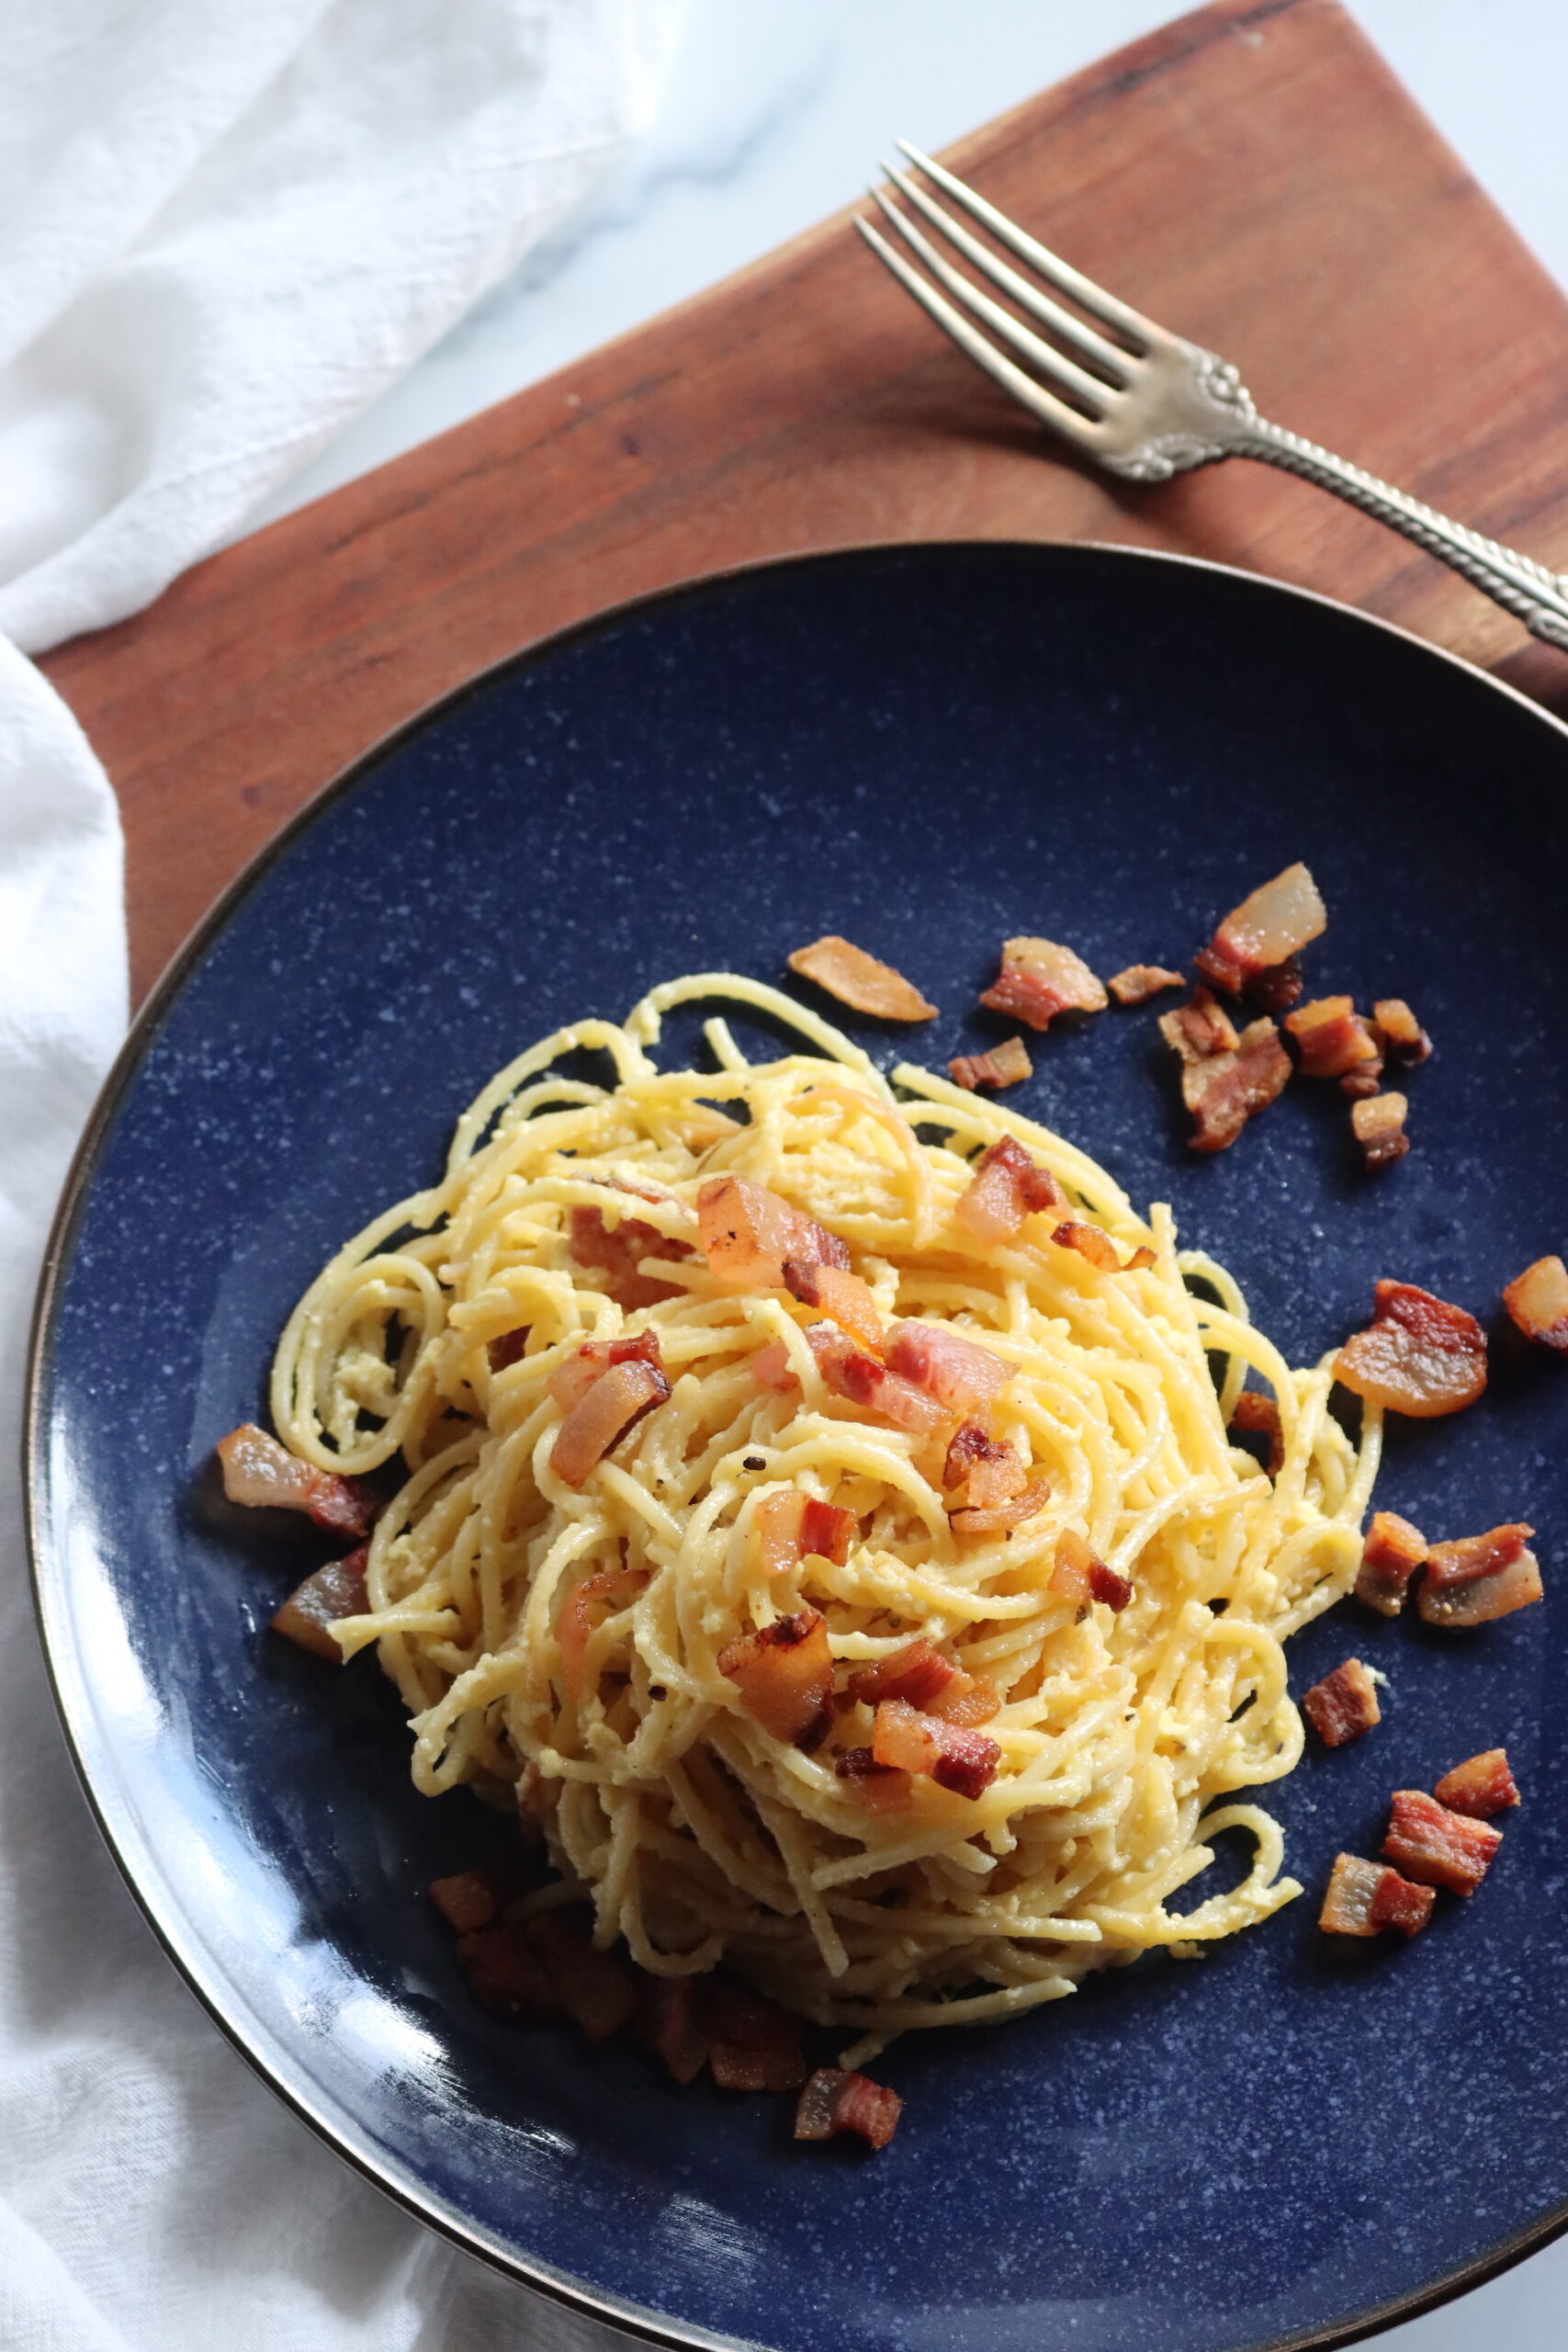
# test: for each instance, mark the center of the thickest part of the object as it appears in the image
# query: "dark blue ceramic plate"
(1286, 2142)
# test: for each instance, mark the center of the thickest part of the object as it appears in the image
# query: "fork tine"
(1058, 273)
(1040, 403)
(1052, 364)
(1109, 356)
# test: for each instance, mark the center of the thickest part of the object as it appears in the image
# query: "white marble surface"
(777, 110)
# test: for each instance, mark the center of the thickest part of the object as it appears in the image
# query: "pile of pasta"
(697, 1833)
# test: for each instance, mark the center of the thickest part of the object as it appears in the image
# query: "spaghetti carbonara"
(574, 1639)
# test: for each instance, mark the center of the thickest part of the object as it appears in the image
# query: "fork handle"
(1523, 587)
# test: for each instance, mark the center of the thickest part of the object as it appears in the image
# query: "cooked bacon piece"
(1277, 987)
(1478, 1578)
(833, 2102)
(748, 1232)
(570, 1382)
(1537, 1301)
(597, 1422)
(467, 1900)
(858, 980)
(509, 1349)
(1104, 1584)
(312, 1610)
(1332, 1036)
(1272, 923)
(576, 1619)
(1419, 1355)
(1007, 1186)
(261, 1474)
(1227, 1090)
(1001, 1519)
(1344, 1704)
(1000, 1480)
(1005, 1065)
(881, 1788)
(503, 1974)
(959, 1375)
(1406, 1041)
(863, 1381)
(956, 1758)
(1199, 1029)
(968, 1699)
(918, 1673)
(1440, 1848)
(969, 1445)
(1390, 1554)
(1260, 1414)
(844, 1297)
(754, 2044)
(1142, 1256)
(1364, 1898)
(785, 1675)
(1039, 979)
(668, 2023)
(1090, 1241)
(771, 1369)
(597, 1989)
(1360, 1085)
(1141, 982)
(1379, 1129)
(1070, 1567)
(792, 1527)
(617, 1255)
(1479, 1787)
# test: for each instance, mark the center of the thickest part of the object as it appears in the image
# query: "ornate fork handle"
(1523, 587)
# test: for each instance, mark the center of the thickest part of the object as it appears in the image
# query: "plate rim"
(133, 1854)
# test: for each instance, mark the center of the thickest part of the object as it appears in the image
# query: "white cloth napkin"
(225, 225)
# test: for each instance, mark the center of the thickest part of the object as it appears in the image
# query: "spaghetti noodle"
(565, 1641)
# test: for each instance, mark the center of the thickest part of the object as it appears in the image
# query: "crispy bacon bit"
(792, 1527)
(1478, 1578)
(844, 1297)
(1272, 923)
(968, 1699)
(1005, 1065)
(576, 1619)
(1090, 1241)
(1277, 987)
(968, 1763)
(312, 1610)
(1199, 1029)
(597, 1988)
(754, 2044)
(1537, 1301)
(668, 2023)
(1379, 1129)
(1070, 1567)
(509, 1349)
(863, 1381)
(1419, 1355)
(969, 1445)
(1344, 1704)
(1393, 1552)
(1006, 1187)
(1142, 1256)
(617, 1255)
(785, 1675)
(503, 1974)
(1039, 979)
(1104, 1584)
(1406, 1041)
(748, 1232)
(1360, 1085)
(1364, 1898)
(956, 1758)
(1440, 1848)
(771, 1369)
(858, 980)
(1260, 1414)
(1225, 1090)
(467, 1900)
(1333, 1037)
(1001, 1519)
(260, 1473)
(833, 2102)
(1141, 982)
(952, 1368)
(1479, 1787)
(598, 1421)
(881, 1788)
(992, 1483)
(570, 1382)
(918, 1673)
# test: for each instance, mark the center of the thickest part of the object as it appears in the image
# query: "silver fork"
(1143, 402)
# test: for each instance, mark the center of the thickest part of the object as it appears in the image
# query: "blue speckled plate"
(1284, 2143)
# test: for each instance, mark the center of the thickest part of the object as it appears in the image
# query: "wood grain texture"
(1252, 175)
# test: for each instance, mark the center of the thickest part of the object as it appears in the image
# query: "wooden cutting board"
(1252, 175)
